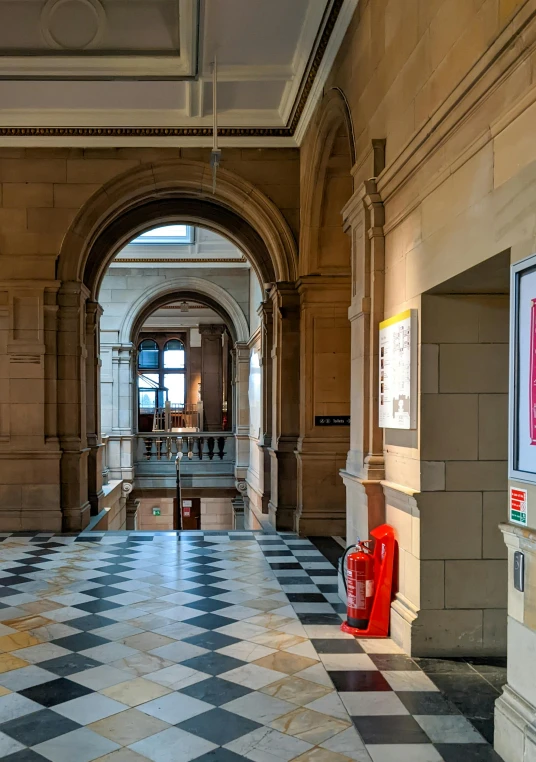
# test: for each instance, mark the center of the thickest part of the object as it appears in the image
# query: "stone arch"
(328, 185)
(166, 192)
(184, 287)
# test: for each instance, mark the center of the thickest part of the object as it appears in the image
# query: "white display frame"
(411, 316)
(519, 377)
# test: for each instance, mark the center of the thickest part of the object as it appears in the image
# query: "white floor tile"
(90, 708)
(369, 703)
(449, 729)
(82, 745)
(172, 745)
(411, 752)
(175, 708)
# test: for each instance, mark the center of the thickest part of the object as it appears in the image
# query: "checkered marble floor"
(207, 646)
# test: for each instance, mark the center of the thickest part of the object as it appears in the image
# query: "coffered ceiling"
(143, 68)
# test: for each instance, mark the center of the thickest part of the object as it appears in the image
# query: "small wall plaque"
(156, 511)
(332, 420)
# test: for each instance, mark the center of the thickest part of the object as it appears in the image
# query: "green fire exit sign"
(156, 511)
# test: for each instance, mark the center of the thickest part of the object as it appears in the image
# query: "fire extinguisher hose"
(343, 564)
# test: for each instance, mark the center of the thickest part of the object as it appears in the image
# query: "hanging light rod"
(215, 156)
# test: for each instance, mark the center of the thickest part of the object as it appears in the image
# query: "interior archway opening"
(179, 308)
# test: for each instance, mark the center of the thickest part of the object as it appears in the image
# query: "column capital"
(211, 330)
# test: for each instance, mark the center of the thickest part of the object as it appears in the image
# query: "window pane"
(171, 234)
(174, 382)
(148, 354)
(147, 399)
(148, 380)
(174, 354)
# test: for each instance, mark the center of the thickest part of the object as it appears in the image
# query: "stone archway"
(145, 197)
(325, 294)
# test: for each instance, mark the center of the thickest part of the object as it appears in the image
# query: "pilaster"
(242, 357)
(93, 365)
(212, 375)
(324, 391)
(364, 218)
(29, 447)
(285, 405)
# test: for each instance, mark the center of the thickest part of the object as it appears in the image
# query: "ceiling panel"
(253, 32)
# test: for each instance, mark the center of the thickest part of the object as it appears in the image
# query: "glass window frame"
(174, 240)
(161, 371)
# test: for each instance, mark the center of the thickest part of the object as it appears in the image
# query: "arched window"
(174, 354)
(148, 355)
(161, 374)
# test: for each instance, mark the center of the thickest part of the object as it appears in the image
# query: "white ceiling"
(120, 64)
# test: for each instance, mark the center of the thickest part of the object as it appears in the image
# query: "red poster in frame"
(532, 374)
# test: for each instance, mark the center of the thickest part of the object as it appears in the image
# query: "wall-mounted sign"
(398, 376)
(522, 449)
(332, 420)
(187, 503)
(186, 512)
(156, 511)
(518, 506)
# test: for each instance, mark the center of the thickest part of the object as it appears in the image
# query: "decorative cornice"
(174, 260)
(199, 132)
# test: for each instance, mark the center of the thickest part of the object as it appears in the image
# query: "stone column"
(95, 464)
(212, 375)
(285, 405)
(266, 313)
(324, 391)
(29, 448)
(121, 445)
(242, 355)
(72, 388)
(364, 219)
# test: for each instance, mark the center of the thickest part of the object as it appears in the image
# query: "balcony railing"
(208, 459)
(195, 446)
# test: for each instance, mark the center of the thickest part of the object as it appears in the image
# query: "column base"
(515, 727)
(75, 520)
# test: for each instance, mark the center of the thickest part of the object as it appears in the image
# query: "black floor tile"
(213, 663)
(285, 566)
(467, 752)
(55, 692)
(211, 640)
(115, 569)
(108, 579)
(391, 729)
(207, 605)
(336, 646)
(485, 727)
(359, 680)
(219, 726)
(305, 580)
(80, 642)
(38, 727)
(210, 621)
(14, 579)
(322, 572)
(444, 666)
(216, 691)
(306, 598)
(388, 662)
(206, 591)
(473, 696)
(320, 619)
(89, 622)
(22, 569)
(277, 553)
(98, 605)
(329, 548)
(206, 579)
(69, 665)
(426, 702)
(25, 755)
(328, 588)
(6, 592)
(104, 592)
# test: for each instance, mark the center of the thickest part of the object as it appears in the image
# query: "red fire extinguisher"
(359, 584)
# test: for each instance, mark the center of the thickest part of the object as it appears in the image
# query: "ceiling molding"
(298, 113)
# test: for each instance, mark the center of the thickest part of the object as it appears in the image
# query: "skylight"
(168, 234)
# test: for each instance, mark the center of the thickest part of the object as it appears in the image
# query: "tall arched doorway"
(133, 203)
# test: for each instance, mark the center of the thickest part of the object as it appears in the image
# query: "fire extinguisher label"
(356, 590)
(369, 592)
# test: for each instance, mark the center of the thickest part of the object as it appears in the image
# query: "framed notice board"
(522, 412)
(397, 396)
